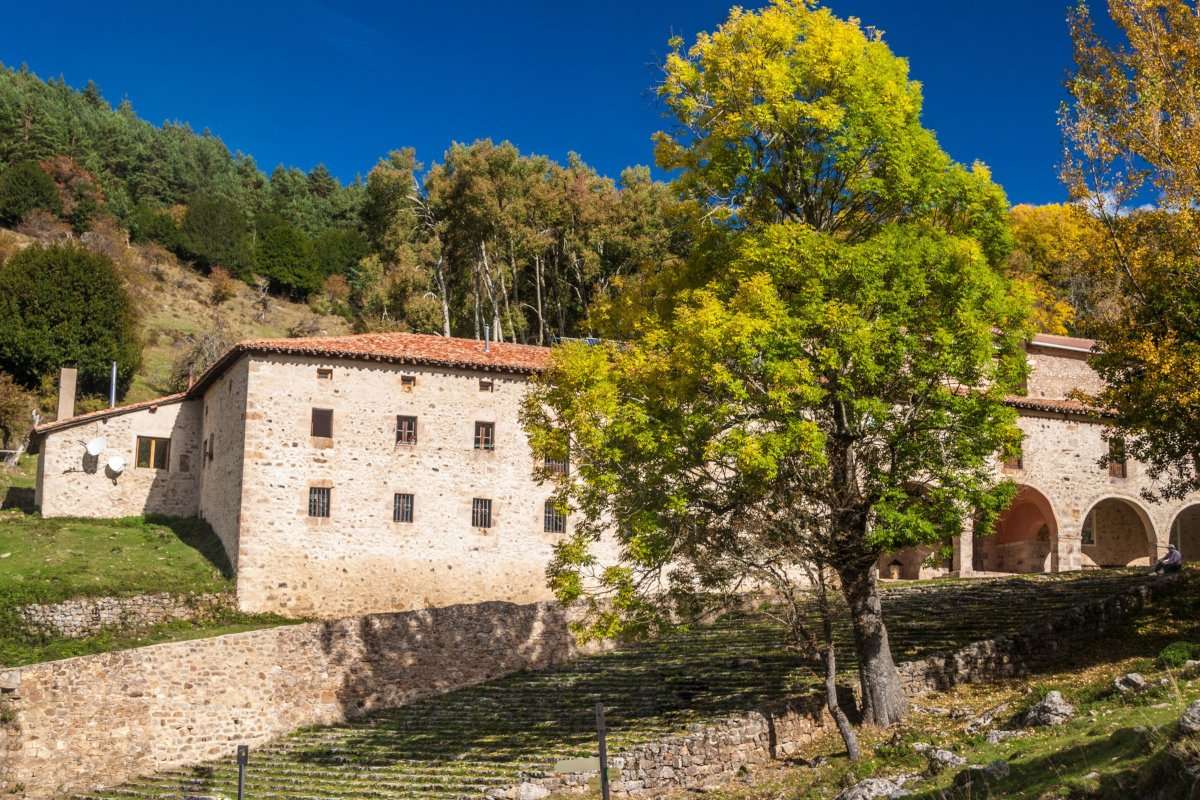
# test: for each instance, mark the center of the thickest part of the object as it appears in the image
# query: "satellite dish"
(117, 464)
(96, 446)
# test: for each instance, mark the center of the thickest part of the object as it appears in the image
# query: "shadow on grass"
(198, 535)
(20, 498)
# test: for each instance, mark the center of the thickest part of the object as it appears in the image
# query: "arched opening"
(1117, 533)
(1185, 533)
(1024, 538)
(911, 563)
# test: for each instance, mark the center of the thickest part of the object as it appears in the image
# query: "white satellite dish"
(96, 446)
(117, 464)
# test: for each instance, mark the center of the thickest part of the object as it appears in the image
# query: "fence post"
(600, 732)
(243, 755)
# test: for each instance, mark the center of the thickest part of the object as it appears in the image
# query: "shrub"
(63, 305)
(16, 412)
(1174, 654)
(45, 227)
(23, 188)
(224, 287)
(150, 224)
(202, 354)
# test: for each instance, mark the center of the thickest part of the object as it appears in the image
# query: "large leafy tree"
(823, 380)
(1132, 141)
(64, 305)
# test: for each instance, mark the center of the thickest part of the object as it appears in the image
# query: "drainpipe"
(112, 387)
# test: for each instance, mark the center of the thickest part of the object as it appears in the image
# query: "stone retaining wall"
(716, 752)
(86, 616)
(72, 725)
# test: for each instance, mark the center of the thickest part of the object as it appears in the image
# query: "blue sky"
(308, 82)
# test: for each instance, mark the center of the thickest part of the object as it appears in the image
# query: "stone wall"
(1054, 373)
(358, 559)
(85, 616)
(715, 752)
(222, 449)
(73, 484)
(72, 725)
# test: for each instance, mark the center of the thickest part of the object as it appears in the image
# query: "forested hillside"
(208, 247)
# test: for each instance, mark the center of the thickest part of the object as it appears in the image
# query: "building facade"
(387, 472)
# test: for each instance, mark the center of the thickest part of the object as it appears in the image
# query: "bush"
(16, 413)
(202, 354)
(62, 305)
(1174, 654)
(215, 231)
(224, 287)
(23, 188)
(150, 224)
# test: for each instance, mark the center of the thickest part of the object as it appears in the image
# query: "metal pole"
(243, 755)
(112, 387)
(600, 732)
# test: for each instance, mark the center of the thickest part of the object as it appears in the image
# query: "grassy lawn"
(461, 743)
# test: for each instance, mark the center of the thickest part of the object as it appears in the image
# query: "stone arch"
(1185, 532)
(1025, 537)
(1117, 532)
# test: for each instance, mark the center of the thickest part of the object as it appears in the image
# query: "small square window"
(407, 382)
(402, 508)
(1016, 461)
(1116, 459)
(406, 430)
(487, 386)
(322, 423)
(153, 452)
(485, 436)
(481, 513)
(557, 466)
(555, 520)
(324, 374)
(319, 500)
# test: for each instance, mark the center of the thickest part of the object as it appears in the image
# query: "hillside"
(177, 308)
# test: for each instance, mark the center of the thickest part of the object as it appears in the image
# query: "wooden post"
(600, 732)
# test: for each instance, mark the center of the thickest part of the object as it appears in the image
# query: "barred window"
(324, 374)
(481, 513)
(555, 520)
(557, 466)
(1016, 461)
(153, 452)
(1116, 458)
(322, 423)
(402, 508)
(485, 436)
(406, 430)
(318, 501)
(487, 386)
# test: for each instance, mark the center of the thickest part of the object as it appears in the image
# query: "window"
(318, 501)
(153, 453)
(402, 508)
(487, 386)
(322, 423)
(557, 466)
(485, 436)
(555, 520)
(407, 382)
(1088, 534)
(481, 513)
(406, 430)
(1116, 458)
(1015, 461)
(324, 374)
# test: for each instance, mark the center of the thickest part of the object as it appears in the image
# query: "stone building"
(353, 474)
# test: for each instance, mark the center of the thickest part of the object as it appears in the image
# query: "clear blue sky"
(307, 82)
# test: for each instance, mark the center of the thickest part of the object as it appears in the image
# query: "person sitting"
(1171, 562)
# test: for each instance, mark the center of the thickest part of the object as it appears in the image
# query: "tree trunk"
(849, 737)
(883, 697)
(537, 266)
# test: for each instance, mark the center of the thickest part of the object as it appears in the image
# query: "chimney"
(66, 392)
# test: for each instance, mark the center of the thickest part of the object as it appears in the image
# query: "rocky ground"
(468, 742)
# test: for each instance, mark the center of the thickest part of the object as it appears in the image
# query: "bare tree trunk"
(439, 274)
(497, 327)
(884, 702)
(829, 656)
(537, 272)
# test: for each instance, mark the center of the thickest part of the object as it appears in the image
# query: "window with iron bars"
(485, 436)
(1116, 458)
(318, 501)
(406, 430)
(555, 520)
(557, 466)
(481, 513)
(402, 508)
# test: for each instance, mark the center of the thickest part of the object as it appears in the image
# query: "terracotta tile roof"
(411, 348)
(1064, 342)
(1056, 406)
(80, 419)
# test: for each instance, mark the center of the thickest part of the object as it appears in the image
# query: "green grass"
(461, 743)
(48, 560)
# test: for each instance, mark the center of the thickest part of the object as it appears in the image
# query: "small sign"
(578, 765)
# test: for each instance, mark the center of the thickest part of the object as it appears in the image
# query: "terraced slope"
(463, 743)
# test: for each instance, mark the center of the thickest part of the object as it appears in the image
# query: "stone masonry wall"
(73, 484)
(85, 616)
(222, 456)
(359, 560)
(715, 752)
(72, 725)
